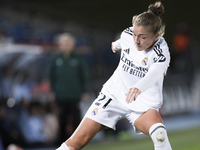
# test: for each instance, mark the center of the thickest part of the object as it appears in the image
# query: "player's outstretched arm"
(116, 46)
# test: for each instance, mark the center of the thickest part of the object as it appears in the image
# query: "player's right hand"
(114, 51)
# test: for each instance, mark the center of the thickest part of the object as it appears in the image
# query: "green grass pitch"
(180, 140)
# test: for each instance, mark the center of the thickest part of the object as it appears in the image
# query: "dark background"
(114, 15)
(28, 30)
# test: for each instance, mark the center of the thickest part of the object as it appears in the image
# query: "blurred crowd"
(28, 115)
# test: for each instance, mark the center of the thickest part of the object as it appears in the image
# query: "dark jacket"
(68, 76)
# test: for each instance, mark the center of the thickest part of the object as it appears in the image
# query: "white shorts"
(107, 111)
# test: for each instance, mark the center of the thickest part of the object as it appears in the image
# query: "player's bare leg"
(147, 119)
(151, 123)
(83, 134)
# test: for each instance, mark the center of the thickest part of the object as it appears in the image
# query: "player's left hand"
(132, 94)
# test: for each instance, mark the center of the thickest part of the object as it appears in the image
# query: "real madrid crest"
(145, 61)
(95, 111)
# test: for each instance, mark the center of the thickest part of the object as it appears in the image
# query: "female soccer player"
(134, 91)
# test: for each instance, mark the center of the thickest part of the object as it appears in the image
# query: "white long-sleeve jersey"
(144, 70)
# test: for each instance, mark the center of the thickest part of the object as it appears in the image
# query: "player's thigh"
(84, 133)
(147, 119)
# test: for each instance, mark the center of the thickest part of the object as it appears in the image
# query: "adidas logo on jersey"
(127, 50)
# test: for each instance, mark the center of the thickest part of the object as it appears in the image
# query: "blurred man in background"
(69, 84)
